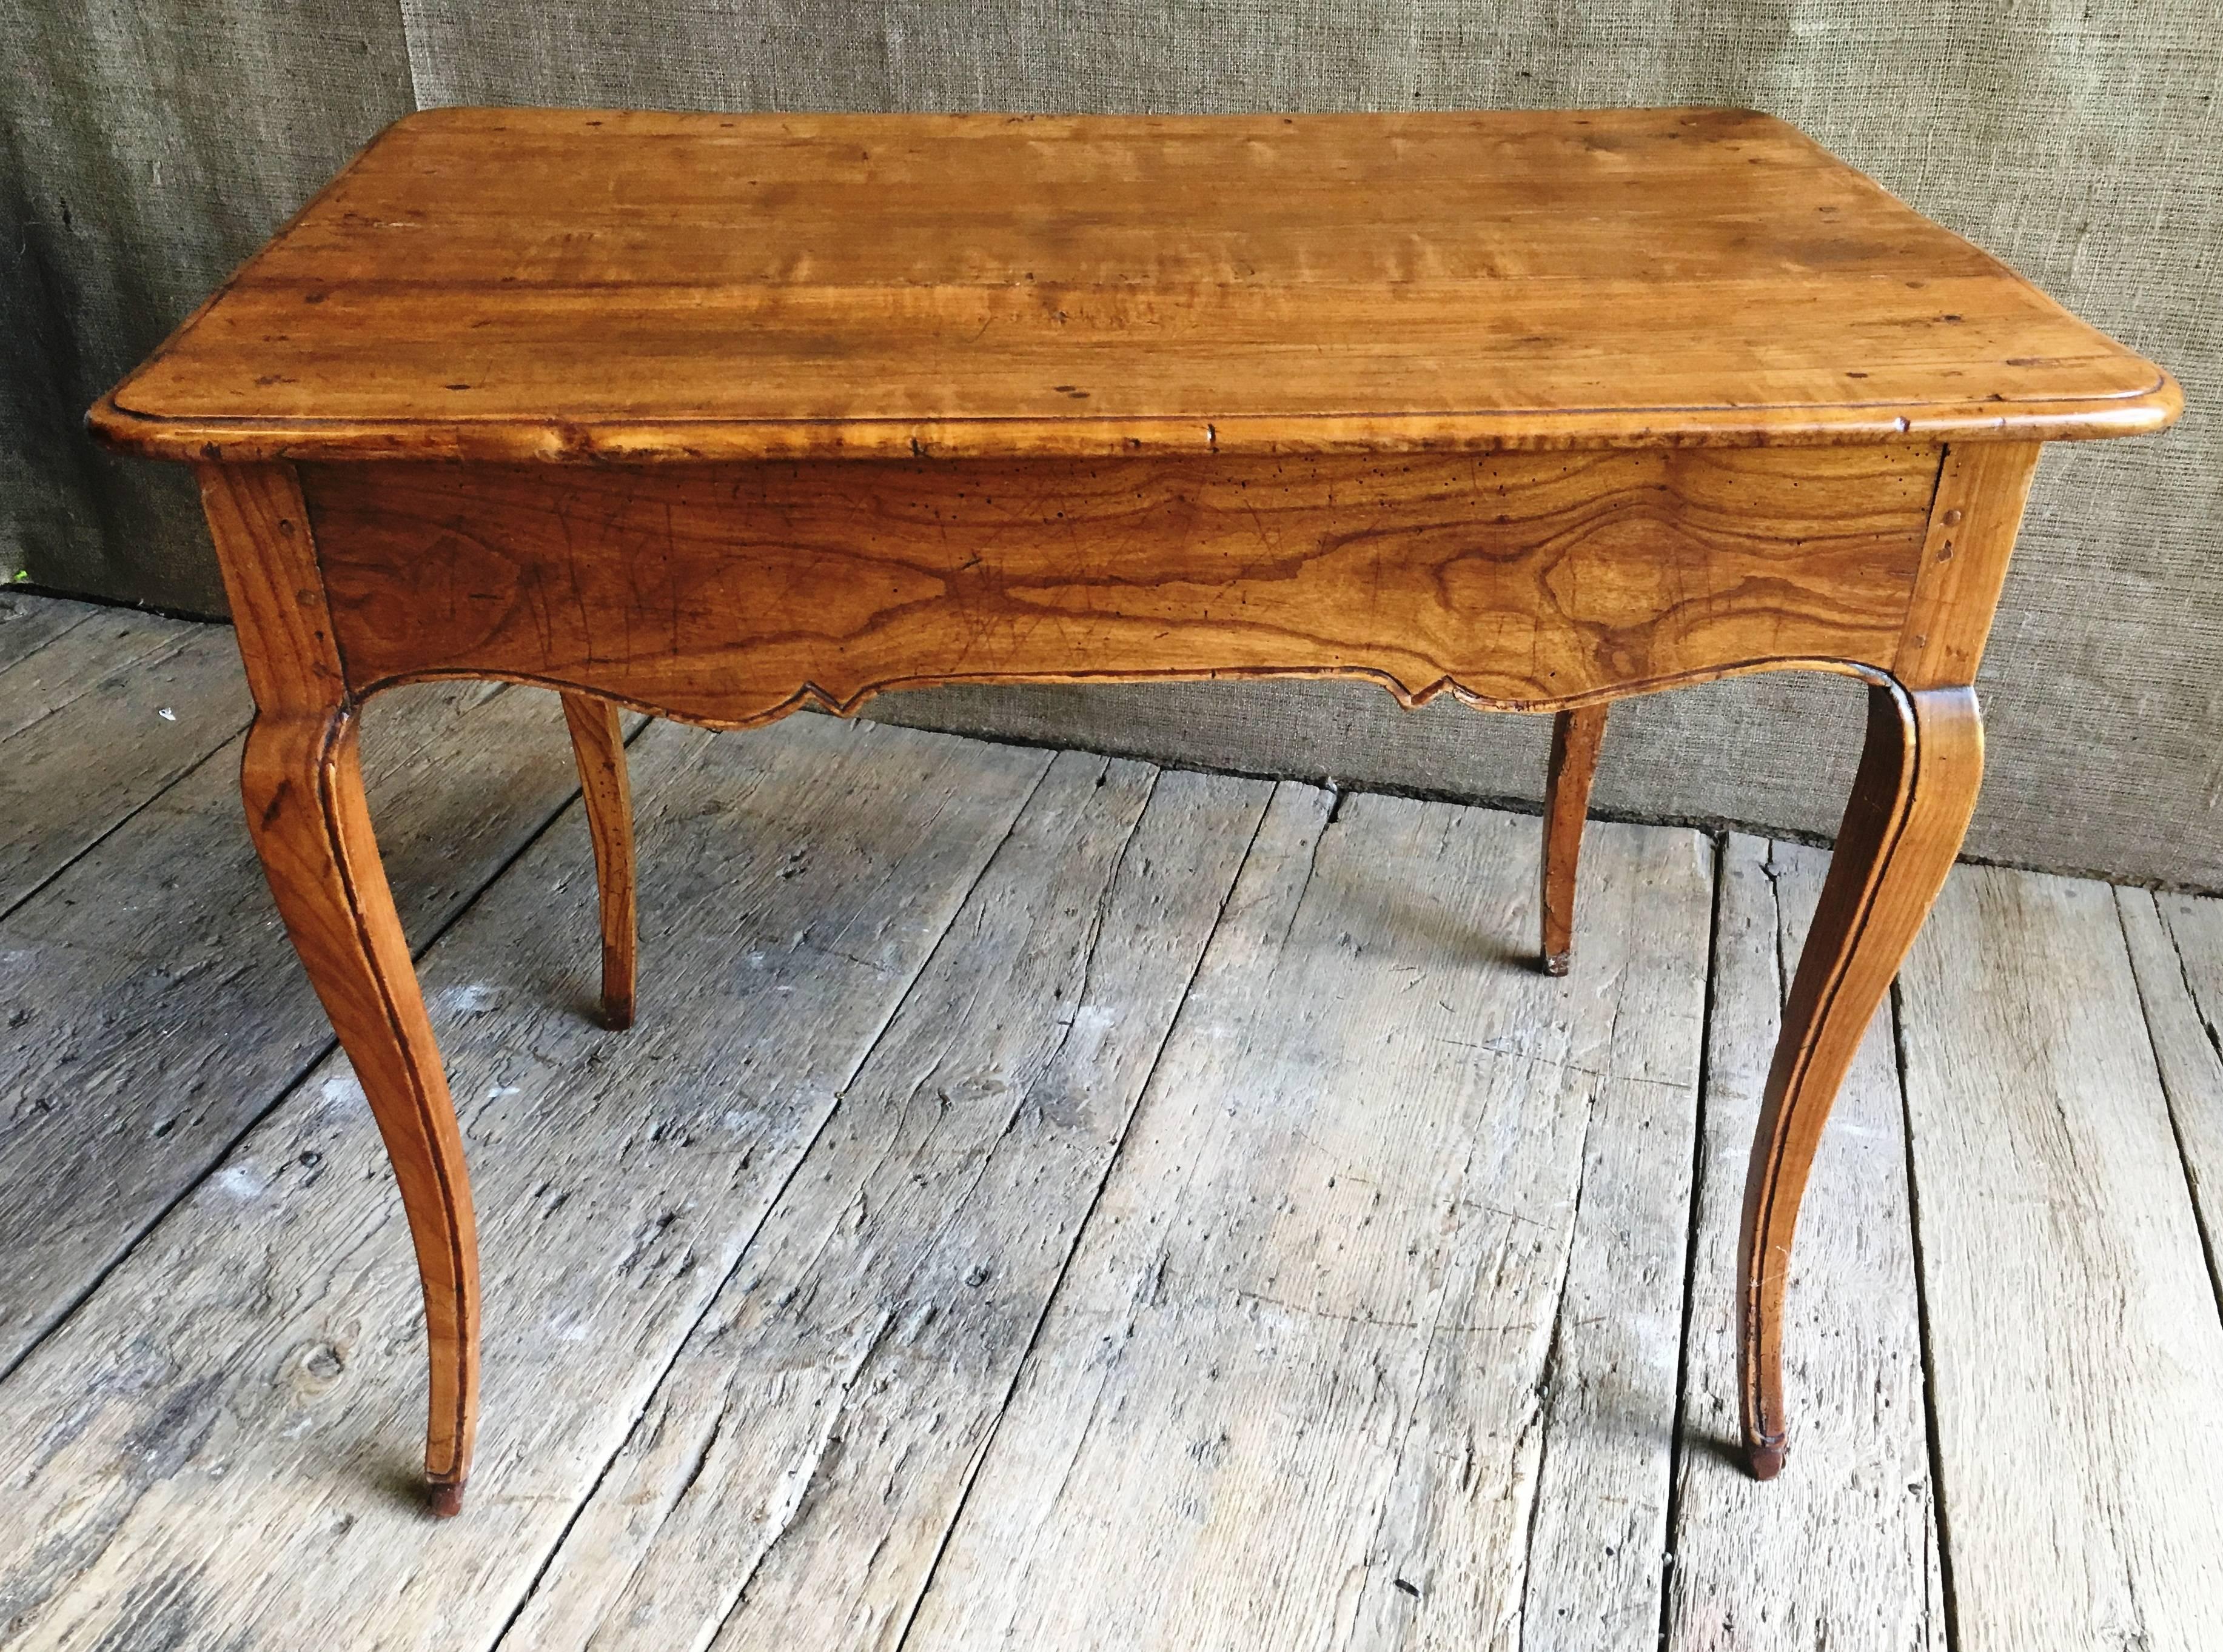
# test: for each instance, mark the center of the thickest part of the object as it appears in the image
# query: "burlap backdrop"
(150, 144)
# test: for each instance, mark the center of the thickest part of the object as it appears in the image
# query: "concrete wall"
(150, 145)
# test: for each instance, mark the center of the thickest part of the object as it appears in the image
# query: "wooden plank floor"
(1052, 1201)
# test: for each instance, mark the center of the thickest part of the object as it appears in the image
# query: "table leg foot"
(1910, 802)
(445, 1499)
(1765, 1459)
(1575, 738)
(598, 743)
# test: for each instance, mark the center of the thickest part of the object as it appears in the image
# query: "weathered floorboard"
(2073, 1333)
(1289, 1393)
(27, 625)
(163, 695)
(1857, 1490)
(795, 1474)
(809, 1326)
(2177, 949)
(94, 656)
(1602, 1491)
(154, 1009)
(220, 1442)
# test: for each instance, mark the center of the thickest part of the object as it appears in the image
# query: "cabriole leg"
(304, 806)
(1917, 786)
(303, 785)
(1575, 736)
(598, 742)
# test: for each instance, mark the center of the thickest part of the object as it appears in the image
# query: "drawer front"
(728, 594)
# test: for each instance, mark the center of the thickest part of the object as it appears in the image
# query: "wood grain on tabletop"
(539, 283)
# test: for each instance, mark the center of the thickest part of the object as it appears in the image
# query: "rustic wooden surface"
(1049, 1192)
(1382, 1360)
(840, 1388)
(534, 284)
(29, 623)
(2176, 950)
(2072, 1319)
(97, 720)
(726, 593)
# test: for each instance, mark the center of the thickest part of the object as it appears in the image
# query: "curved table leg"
(304, 806)
(1917, 786)
(598, 742)
(1575, 736)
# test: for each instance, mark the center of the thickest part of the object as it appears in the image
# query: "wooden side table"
(716, 416)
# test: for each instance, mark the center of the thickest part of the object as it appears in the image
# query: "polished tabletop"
(538, 284)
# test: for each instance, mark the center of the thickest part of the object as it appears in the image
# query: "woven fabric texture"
(148, 147)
